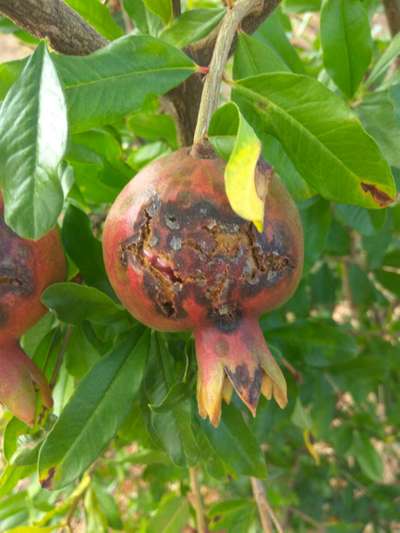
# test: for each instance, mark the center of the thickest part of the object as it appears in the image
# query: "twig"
(320, 528)
(197, 501)
(392, 10)
(176, 7)
(66, 31)
(210, 96)
(202, 50)
(297, 375)
(264, 509)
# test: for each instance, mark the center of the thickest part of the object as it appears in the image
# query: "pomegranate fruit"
(179, 258)
(26, 269)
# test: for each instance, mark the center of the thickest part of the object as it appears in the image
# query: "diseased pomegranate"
(26, 269)
(179, 258)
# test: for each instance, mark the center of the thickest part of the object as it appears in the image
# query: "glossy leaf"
(191, 26)
(253, 57)
(98, 16)
(386, 59)
(346, 42)
(171, 516)
(272, 33)
(379, 113)
(94, 413)
(104, 86)
(33, 138)
(76, 303)
(240, 170)
(84, 249)
(137, 12)
(170, 421)
(9, 73)
(306, 118)
(161, 8)
(235, 444)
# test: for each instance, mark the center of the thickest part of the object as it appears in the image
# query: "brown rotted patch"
(15, 273)
(248, 387)
(3, 316)
(380, 197)
(212, 254)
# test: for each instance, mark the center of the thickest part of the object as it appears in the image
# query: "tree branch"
(67, 32)
(176, 7)
(202, 50)
(186, 97)
(392, 10)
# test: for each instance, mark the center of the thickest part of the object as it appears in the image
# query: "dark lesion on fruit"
(161, 281)
(15, 274)
(245, 383)
(217, 256)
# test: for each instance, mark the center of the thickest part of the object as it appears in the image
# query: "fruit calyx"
(19, 378)
(238, 359)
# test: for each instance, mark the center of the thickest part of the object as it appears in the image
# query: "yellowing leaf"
(310, 447)
(240, 183)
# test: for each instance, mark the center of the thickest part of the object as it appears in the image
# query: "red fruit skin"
(179, 258)
(26, 269)
(184, 185)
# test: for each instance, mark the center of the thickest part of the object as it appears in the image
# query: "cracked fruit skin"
(26, 269)
(179, 258)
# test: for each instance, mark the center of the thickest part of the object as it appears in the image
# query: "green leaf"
(379, 113)
(234, 516)
(9, 73)
(80, 355)
(108, 506)
(300, 417)
(171, 516)
(386, 59)
(346, 42)
(161, 8)
(321, 342)
(301, 6)
(367, 457)
(365, 221)
(171, 424)
(307, 118)
(137, 12)
(104, 86)
(253, 57)
(13, 430)
(191, 26)
(272, 33)
(95, 412)
(98, 16)
(240, 170)
(74, 303)
(235, 444)
(316, 219)
(389, 280)
(154, 126)
(84, 249)
(33, 138)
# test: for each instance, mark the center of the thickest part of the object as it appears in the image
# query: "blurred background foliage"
(330, 460)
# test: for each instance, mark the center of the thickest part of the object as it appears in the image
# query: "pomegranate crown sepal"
(240, 360)
(19, 378)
